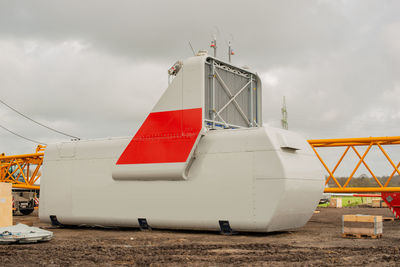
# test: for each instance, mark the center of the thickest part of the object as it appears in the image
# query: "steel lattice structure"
(22, 171)
(352, 143)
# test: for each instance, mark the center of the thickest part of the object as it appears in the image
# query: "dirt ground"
(318, 243)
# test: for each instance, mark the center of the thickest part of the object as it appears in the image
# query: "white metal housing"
(257, 178)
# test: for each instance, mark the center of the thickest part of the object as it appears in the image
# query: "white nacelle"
(257, 178)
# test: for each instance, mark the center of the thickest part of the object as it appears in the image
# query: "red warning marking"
(164, 137)
(393, 202)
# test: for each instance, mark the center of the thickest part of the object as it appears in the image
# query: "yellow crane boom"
(22, 171)
(353, 144)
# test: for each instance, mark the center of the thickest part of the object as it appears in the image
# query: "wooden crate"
(5, 205)
(362, 226)
(335, 203)
(378, 203)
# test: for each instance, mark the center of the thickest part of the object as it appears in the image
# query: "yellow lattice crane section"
(22, 171)
(353, 143)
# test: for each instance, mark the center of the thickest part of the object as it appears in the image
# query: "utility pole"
(284, 120)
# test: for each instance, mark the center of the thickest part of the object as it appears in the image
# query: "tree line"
(365, 181)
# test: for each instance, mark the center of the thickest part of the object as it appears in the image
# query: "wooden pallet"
(388, 219)
(349, 235)
(362, 226)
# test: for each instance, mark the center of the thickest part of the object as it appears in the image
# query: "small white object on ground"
(22, 233)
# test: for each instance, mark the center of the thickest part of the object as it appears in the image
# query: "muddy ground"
(318, 243)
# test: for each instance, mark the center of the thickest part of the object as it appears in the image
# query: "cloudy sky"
(95, 68)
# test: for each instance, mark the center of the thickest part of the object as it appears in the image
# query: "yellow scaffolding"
(22, 170)
(352, 143)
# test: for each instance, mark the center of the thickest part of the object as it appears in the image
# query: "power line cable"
(25, 116)
(23, 137)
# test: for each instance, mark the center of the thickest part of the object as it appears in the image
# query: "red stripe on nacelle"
(164, 137)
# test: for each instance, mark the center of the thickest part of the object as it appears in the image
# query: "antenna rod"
(230, 52)
(214, 45)
(190, 44)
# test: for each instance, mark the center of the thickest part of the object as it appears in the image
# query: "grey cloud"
(276, 31)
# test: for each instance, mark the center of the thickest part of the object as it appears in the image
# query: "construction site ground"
(318, 243)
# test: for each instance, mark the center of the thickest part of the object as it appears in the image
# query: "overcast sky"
(96, 68)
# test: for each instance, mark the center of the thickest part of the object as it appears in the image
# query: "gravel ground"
(318, 243)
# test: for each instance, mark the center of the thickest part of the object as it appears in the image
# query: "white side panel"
(186, 90)
(295, 174)
(193, 82)
(241, 176)
(172, 97)
(209, 195)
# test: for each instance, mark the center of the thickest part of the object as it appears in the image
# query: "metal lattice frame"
(22, 170)
(216, 116)
(352, 143)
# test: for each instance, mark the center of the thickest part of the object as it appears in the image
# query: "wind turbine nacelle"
(200, 160)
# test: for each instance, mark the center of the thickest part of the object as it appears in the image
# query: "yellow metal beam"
(15, 169)
(361, 189)
(23, 156)
(24, 186)
(369, 142)
(363, 141)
